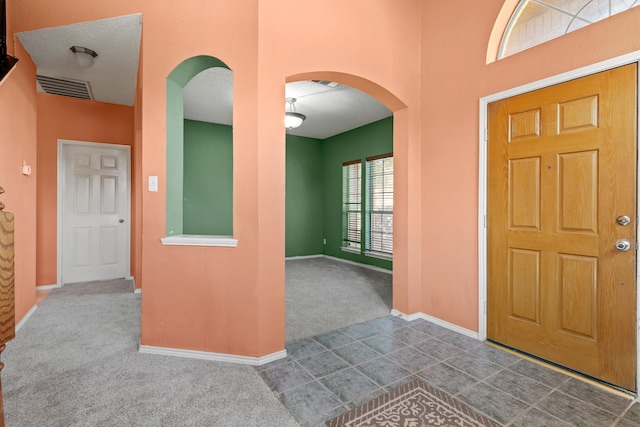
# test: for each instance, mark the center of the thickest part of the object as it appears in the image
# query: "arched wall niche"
(179, 77)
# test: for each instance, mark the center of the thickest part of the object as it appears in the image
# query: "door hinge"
(485, 221)
(486, 134)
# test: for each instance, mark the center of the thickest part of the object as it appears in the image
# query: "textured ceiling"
(117, 42)
(208, 96)
(330, 109)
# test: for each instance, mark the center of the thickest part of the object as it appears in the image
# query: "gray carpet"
(75, 363)
(324, 295)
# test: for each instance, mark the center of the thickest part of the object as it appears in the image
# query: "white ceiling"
(330, 109)
(116, 41)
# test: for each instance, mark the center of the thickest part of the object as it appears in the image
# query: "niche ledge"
(199, 240)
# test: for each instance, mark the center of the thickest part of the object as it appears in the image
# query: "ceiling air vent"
(326, 83)
(65, 87)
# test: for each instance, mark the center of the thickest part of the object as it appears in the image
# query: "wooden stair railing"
(7, 292)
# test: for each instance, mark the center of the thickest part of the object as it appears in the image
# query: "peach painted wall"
(60, 117)
(35, 14)
(371, 47)
(231, 300)
(455, 77)
(18, 144)
(202, 298)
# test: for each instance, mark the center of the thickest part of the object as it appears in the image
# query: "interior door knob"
(623, 245)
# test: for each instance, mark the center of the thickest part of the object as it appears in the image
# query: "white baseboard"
(459, 329)
(135, 290)
(47, 287)
(407, 317)
(370, 267)
(346, 261)
(26, 317)
(292, 258)
(216, 357)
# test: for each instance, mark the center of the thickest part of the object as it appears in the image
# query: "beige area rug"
(415, 404)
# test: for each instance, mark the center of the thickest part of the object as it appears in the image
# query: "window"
(380, 204)
(536, 21)
(351, 205)
(377, 204)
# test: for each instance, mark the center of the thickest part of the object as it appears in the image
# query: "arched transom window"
(536, 21)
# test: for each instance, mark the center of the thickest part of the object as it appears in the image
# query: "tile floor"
(328, 374)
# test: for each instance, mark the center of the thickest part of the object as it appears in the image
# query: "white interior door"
(95, 212)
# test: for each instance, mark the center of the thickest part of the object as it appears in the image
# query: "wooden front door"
(562, 169)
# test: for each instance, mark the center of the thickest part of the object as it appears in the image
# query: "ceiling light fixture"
(84, 56)
(292, 118)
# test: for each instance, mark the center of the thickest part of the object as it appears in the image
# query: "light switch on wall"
(153, 183)
(26, 169)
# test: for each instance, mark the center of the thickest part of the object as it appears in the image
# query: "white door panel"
(94, 197)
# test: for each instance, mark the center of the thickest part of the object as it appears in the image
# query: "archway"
(369, 143)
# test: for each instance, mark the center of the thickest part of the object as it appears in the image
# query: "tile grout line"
(552, 390)
(402, 341)
(561, 370)
(621, 416)
(316, 379)
(531, 405)
(380, 389)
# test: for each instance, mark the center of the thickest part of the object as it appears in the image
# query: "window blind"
(351, 204)
(380, 204)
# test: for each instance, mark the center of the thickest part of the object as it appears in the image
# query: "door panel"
(95, 234)
(525, 203)
(524, 285)
(578, 295)
(562, 168)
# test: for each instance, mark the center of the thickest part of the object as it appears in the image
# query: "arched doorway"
(340, 250)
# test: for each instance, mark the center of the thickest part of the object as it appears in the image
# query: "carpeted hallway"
(76, 363)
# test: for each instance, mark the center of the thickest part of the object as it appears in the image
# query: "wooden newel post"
(7, 294)
(2, 347)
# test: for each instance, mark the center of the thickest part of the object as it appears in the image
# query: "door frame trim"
(633, 57)
(62, 143)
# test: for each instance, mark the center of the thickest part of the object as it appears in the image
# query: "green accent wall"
(175, 163)
(313, 185)
(176, 81)
(367, 141)
(304, 197)
(208, 178)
